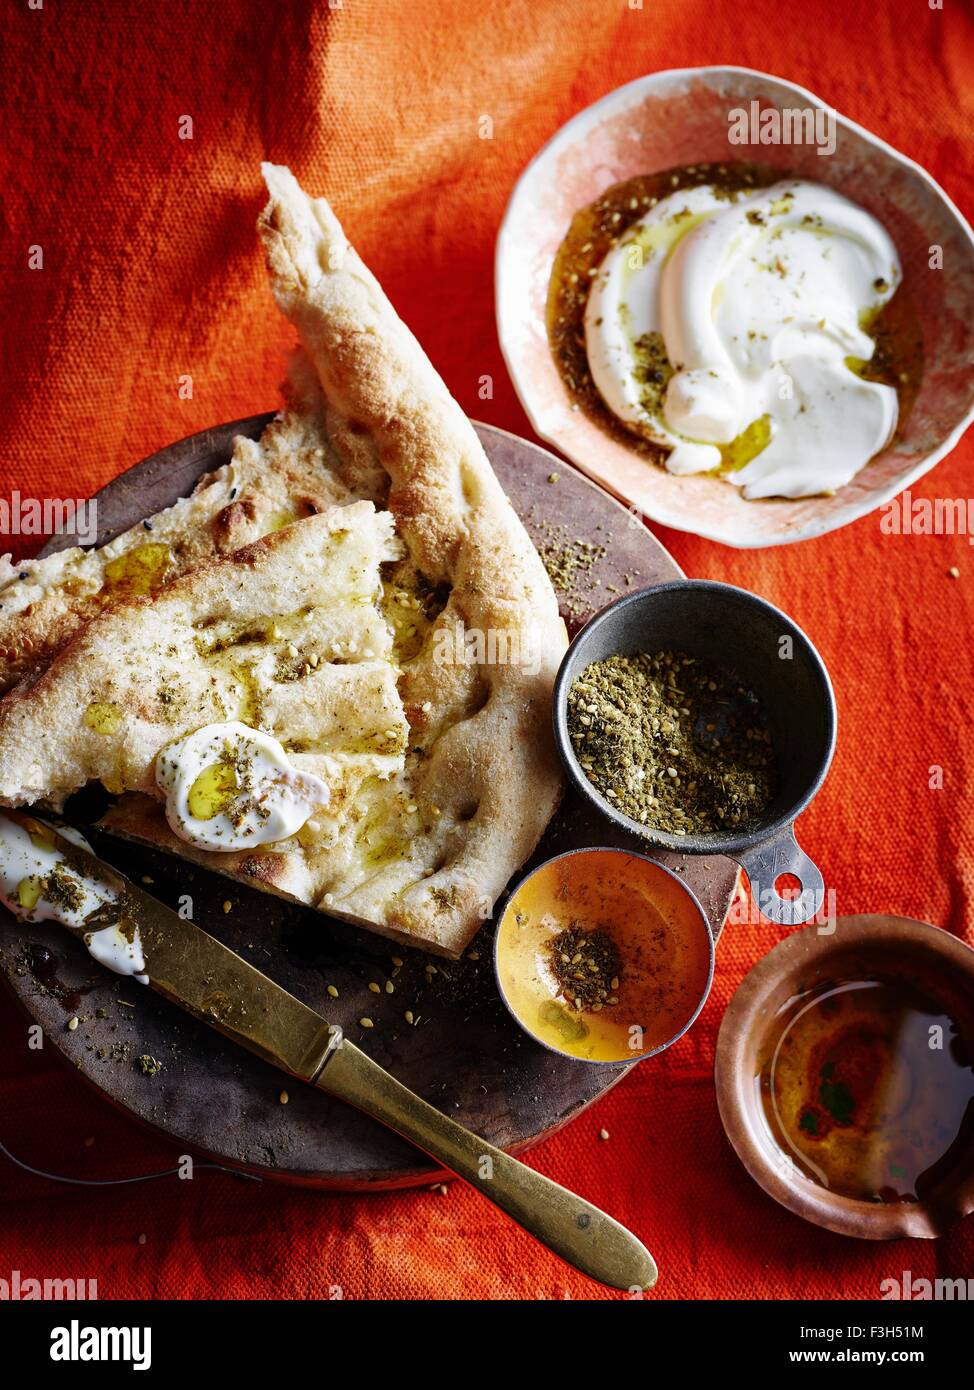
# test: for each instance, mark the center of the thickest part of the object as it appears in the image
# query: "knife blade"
(198, 973)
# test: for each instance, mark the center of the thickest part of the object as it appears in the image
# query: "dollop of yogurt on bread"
(38, 883)
(229, 787)
(729, 328)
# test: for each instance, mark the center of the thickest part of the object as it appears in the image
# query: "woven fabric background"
(151, 272)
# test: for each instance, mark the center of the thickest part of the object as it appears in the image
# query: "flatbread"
(475, 633)
(291, 473)
(283, 635)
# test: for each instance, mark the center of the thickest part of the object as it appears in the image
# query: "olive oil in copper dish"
(845, 1076)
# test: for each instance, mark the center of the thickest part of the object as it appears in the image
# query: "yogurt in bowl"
(792, 434)
(728, 329)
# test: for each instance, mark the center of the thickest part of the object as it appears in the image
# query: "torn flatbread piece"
(284, 638)
(475, 637)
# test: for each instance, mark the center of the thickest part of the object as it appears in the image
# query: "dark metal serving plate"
(465, 1054)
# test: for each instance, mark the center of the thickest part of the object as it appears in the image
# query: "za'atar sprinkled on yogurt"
(229, 787)
(731, 328)
(39, 883)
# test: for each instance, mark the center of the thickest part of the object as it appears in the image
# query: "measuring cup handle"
(766, 862)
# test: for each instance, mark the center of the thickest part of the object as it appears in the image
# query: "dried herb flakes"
(673, 742)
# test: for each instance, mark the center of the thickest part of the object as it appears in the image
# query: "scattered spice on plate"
(570, 561)
(586, 964)
(673, 742)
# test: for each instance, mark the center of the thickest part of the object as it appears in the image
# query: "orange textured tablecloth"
(151, 273)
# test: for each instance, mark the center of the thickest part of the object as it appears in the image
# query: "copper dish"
(803, 956)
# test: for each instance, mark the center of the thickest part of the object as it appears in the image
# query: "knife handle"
(574, 1229)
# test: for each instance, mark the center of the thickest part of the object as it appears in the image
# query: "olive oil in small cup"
(604, 955)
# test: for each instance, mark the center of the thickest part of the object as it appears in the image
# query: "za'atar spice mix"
(673, 742)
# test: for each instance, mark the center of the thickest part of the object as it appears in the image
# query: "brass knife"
(214, 984)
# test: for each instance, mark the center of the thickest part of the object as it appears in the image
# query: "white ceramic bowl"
(681, 117)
